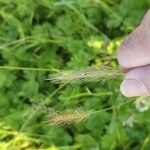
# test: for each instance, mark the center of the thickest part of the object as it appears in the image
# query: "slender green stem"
(146, 142)
(90, 94)
(110, 108)
(27, 68)
(39, 107)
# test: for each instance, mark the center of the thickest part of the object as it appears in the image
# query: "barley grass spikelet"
(86, 75)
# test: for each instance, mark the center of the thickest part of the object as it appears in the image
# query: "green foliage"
(41, 37)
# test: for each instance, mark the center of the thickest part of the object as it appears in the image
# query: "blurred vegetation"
(41, 37)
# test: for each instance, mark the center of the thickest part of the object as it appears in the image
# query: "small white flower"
(142, 105)
(129, 122)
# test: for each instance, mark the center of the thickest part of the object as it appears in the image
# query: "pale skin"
(134, 57)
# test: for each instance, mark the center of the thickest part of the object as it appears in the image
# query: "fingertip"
(132, 87)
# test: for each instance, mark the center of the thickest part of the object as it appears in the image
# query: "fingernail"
(133, 87)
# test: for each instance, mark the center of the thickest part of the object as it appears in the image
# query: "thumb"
(136, 82)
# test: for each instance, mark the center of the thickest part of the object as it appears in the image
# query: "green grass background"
(40, 37)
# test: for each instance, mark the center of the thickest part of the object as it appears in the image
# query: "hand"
(134, 57)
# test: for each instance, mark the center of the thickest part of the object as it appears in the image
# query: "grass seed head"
(86, 75)
(68, 117)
